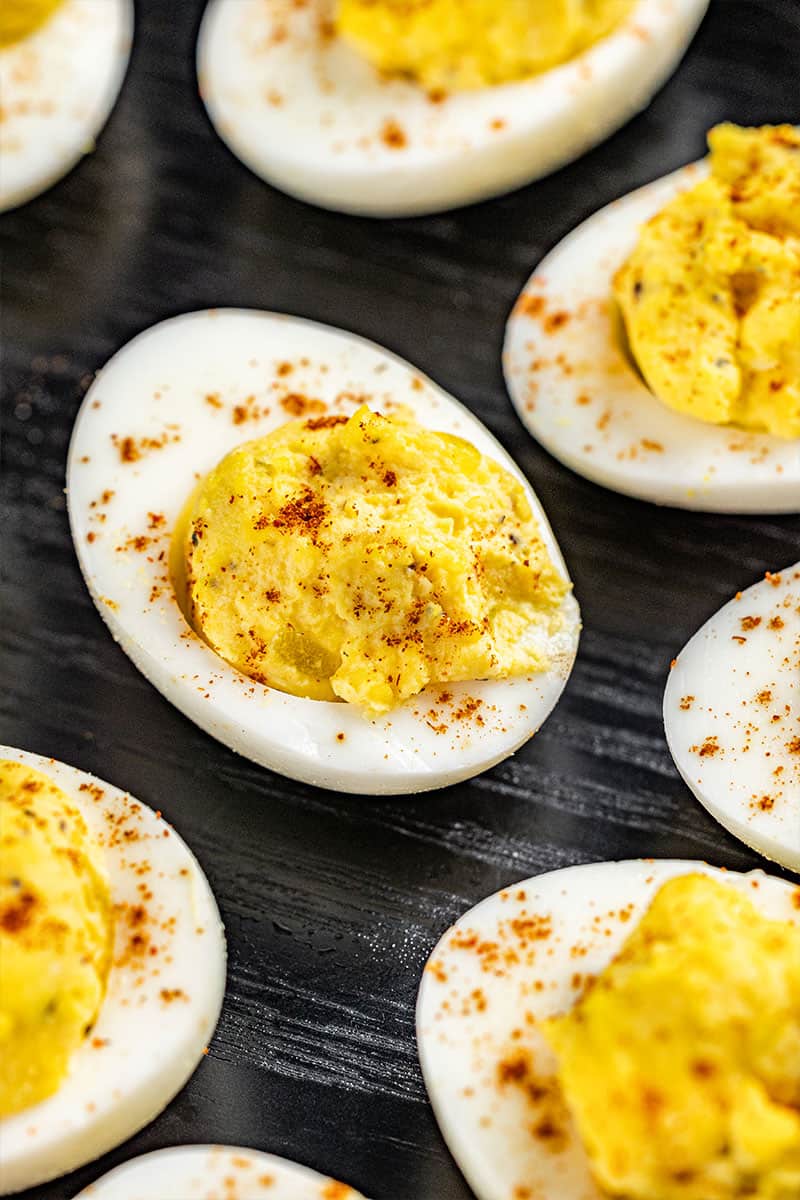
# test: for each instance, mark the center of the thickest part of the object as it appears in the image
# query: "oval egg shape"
(163, 996)
(732, 716)
(59, 86)
(518, 957)
(308, 115)
(199, 1172)
(162, 413)
(577, 391)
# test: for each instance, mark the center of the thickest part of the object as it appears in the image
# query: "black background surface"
(331, 902)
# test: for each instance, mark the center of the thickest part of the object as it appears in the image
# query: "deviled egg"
(654, 351)
(113, 964)
(732, 715)
(384, 577)
(389, 109)
(62, 63)
(621, 1028)
(215, 1173)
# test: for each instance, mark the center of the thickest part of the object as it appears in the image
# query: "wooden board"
(332, 903)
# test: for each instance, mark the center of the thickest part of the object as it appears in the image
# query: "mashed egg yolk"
(455, 44)
(55, 935)
(681, 1061)
(20, 18)
(711, 295)
(362, 559)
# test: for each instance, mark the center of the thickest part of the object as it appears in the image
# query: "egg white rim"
(149, 1036)
(325, 141)
(578, 394)
(398, 753)
(737, 785)
(68, 75)
(488, 1021)
(196, 1169)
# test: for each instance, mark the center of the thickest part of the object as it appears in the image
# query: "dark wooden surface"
(332, 903)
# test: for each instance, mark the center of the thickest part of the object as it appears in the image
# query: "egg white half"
(577, 391)
(308, 114)
(163, 997)
(492, 978)
(186, 383)
(215, 1173)
(732, 716)
(58, 87)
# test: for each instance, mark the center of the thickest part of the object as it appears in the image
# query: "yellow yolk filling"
(20, 18)
(456, 44)
(711, 294)
(681, 1061)
(362, 559)
(55, 935)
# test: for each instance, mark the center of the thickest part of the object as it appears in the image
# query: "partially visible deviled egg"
(62, 63)
(280, 483)
(215, 1173)
(655, 350)
(388, 109)
(112, 957)
(732, 715)
(621, 1028)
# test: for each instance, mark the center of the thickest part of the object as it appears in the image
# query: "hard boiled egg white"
(520, 956)
(215, 1173)
(732, 716)
(575, 387)
(58, 87)
(164, 411)
(163, 997)
(306, 113)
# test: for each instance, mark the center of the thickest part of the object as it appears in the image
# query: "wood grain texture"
(332, 903)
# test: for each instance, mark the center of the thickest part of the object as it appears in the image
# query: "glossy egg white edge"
(186, 382)
(308, 114)
(732, 716)
(58, 88)
(163, 998)
(215, 1173)
(518, 957)
(579, 395)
